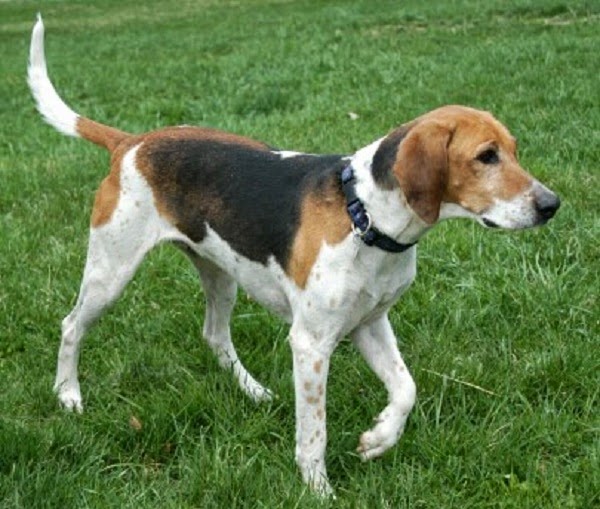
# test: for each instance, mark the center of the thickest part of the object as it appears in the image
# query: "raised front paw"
(374, 442)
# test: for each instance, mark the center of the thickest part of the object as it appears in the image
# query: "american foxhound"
(327, 242)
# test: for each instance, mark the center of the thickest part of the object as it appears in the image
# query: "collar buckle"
(362, 224)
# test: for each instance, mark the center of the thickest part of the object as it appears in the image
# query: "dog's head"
(461, 162)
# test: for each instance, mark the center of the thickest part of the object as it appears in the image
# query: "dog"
(326, 242)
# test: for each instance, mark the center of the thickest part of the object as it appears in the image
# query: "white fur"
(514, 214)
(519, 212)
(350, 287)
(453, 211)
(286, 154)
(267, 284)
(114, 252)
(49, 104)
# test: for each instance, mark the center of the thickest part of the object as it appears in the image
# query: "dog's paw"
(315, 476)
(69, 398)
(374, 442)
(372, 445)
(255, 391)
(260, 394)
(322, 488)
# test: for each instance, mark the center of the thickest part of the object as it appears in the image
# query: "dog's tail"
(53, 108)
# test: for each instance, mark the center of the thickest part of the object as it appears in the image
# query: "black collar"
(361, 220)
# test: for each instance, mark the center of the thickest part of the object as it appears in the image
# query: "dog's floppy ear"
(421, 167)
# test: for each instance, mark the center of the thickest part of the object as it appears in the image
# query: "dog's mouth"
(538, 221)
(489, 223)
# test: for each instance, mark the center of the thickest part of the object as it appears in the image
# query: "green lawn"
(501, 330)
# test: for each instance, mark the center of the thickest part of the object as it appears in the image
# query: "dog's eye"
(489, 156)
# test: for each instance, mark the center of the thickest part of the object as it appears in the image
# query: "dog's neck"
(388, 208)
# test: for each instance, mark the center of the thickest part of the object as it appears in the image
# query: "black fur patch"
(251, 198)
(385, 157)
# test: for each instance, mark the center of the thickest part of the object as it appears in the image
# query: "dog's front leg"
(311, 354)
(377, 343)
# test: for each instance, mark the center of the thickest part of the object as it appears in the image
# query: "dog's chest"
(352, 284)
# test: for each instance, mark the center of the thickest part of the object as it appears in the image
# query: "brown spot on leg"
(317, 366)
(399, 365)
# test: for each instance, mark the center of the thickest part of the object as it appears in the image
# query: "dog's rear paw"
(260, 394)
(70, 398)
(253, 389)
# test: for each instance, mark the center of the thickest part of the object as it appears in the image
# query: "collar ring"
(362, 232)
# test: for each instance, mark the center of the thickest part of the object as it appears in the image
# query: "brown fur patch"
(200, 133)
(322, 219)
(107, 199)
(472, 184)
(107, 196)
(100, 134)
(117, 142)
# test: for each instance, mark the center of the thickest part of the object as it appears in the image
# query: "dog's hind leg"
(220, 291)
(111, 263)
(116, 247)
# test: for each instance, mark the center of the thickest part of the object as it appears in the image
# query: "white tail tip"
(49, 104)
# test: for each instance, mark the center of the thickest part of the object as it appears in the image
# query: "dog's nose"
(547, 204)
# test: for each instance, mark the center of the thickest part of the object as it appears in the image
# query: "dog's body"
(277, 224)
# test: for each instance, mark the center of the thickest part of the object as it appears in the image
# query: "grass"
(501, 330)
